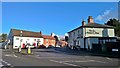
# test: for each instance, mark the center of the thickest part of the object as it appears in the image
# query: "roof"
(92, 25)
(48, 37)
(25, 33)
(96, 25)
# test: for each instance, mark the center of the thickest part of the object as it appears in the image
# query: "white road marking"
(11, 55)
(0, 59)
(15, 55)
(86, 56)
(78, 61)
(8, 55)
(109, 58)
(91, 60)
(38, 56)
(63, 63)
(6, 63)
(3, 61)
(70, 64)
(1, 64)
(54, 57)
(100, 61)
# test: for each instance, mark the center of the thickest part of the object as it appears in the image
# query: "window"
(78, 42)
(21, 40)
(38, 39)
(78, 31)
(100, 41)
(46, 39)
(70, 34)
(17, 38)
(74, 34)
(52, 40)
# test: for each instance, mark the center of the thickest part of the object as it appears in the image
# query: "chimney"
(52, 34)
(83, 23)
(40, 33)
(90, 19)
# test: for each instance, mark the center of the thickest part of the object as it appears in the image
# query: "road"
(53, 57)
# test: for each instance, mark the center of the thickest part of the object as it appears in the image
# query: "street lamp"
(20, 42)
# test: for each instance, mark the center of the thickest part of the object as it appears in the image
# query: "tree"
(4, 37)
(116, 25)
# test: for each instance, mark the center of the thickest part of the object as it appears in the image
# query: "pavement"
(56, 57)
(82, 53)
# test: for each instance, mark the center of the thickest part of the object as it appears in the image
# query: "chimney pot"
(40, 33)
(83, 23)
(90, 19)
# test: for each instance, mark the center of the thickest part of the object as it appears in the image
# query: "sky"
(54, 17)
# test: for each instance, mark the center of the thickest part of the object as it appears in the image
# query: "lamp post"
(19, 50)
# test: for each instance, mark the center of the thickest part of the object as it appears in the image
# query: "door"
(16, 42)
(74, 42)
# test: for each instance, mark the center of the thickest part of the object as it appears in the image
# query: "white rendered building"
(21, 37)
(89, 34)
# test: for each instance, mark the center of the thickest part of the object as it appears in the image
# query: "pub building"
(89, 34)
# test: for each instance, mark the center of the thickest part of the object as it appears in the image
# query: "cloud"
(111, 13)
(100, 17)
(106, 12)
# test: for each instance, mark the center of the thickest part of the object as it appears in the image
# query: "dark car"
(41, 46)
(50, 46)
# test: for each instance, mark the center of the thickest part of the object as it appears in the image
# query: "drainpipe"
(85, 40)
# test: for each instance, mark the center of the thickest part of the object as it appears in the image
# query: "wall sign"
(92, 32)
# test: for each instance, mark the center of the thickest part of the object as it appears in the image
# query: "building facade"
(21, 38)
(91, 33)
(62, 43)
(48, 40)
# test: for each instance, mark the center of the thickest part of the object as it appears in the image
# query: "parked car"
(74, 47)
(4, 45)
(50, 46)
(41, 46)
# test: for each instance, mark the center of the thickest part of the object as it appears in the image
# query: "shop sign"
(92, 32)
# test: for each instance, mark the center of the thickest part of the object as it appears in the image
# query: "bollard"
(19, 49)
(5, 47)
(29, 50)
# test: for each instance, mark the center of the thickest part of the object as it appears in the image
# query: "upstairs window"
(46, 39)
(74, 34)
(17, 38)
(78, 32)
(38, 39)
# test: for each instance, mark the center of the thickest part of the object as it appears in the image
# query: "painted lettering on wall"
(92, 32)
